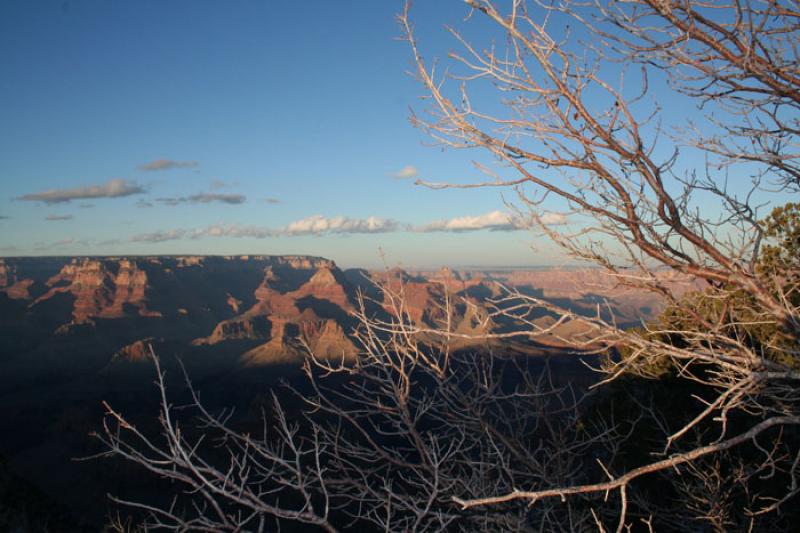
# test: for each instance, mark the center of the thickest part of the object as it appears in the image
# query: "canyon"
(78, 331)
(275, 303)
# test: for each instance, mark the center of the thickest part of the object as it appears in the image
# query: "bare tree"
(240, 486)
(383, 444)
(420, 436)
(574, 126)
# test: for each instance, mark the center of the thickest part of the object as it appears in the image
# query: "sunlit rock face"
(267, 309)
(102, 288)
(137, 351)
(111, 288)
(285, 303)
(295, 310)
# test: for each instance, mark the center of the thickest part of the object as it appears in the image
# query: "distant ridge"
(269, 308)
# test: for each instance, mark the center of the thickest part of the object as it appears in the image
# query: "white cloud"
(407, 172)
(317, 224)
(166, 164)
(554, 219)
(114, 188)
(493, 221)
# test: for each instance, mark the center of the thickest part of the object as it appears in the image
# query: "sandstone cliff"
(272, 308)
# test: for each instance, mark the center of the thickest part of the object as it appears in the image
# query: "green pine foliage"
(735, 314)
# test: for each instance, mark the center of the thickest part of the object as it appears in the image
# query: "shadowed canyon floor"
(77, 331)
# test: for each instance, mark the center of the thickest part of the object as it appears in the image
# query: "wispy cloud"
(86, 206)
(115, 188)
(166, 164)
(216, 185)
(40, 246)
(54, 218)
(211, 197)
(317, 225)
(204, 198)
(234, 230)
(3, 217)
(272, 201)
(9, 249)
(159, 236)
(215, 230)
(407, 172)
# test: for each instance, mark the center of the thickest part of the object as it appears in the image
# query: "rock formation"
(271, 308)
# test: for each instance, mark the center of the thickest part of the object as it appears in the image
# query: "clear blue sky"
(221, 127)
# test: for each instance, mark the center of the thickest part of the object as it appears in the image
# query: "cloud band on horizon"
(319, 225)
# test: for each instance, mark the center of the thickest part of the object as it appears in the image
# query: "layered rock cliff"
(270, 308)
(311, 317)
(288, 303)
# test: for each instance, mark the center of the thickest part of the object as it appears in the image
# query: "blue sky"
(301, 109)
(176, 127)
